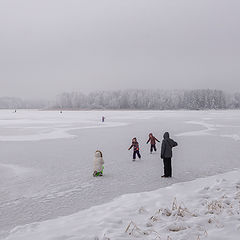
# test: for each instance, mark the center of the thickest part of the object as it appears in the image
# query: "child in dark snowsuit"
(166, 154)
(152, 141)
(135, 146)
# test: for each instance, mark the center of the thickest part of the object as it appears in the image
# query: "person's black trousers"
(167, 162)
(136, 153)
(153, 147)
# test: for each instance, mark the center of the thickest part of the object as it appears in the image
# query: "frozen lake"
(46, 158)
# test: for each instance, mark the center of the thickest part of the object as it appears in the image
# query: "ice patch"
(60, 132)
(208, 128)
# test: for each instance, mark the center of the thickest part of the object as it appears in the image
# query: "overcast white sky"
(51, 46)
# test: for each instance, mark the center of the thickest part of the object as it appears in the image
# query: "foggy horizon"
(50, 47)
(52, 98)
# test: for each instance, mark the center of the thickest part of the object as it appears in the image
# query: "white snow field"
(46, 161)
(206, 208)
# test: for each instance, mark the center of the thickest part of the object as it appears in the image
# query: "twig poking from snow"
(129, 225)
(135, 228)
(174, 205)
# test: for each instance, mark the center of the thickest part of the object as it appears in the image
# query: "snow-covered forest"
(134, 99)
(18, 103)
(149, 99)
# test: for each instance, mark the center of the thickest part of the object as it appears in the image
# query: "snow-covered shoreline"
(205, 208)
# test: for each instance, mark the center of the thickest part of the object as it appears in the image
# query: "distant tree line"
(18, 103)
(133, 99)
(149, 99)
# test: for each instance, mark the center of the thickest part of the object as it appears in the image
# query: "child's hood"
(98, 154)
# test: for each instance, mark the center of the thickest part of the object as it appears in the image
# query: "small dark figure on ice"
(166, 154)
(152, 141)
(103, 118)
(135, 147)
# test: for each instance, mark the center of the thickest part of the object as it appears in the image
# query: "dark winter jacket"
(135, 146)
(152, 140)
(167, 145)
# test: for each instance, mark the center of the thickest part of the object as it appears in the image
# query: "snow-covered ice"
(29, 126)
(46, 158)
(206, 208)
(206, 131)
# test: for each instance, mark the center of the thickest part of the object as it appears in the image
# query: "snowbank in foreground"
(207, 208)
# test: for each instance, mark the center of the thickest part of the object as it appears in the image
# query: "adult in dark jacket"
(166, 154)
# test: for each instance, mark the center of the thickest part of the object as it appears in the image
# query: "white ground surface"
(206, 209)
(46, 157)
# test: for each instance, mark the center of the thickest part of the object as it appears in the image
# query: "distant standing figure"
(166, 154)
(135, 147)
(103, 118)
(98, 164)
(152, 141)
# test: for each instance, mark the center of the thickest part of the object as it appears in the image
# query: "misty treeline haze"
(134, 99)
(19, 103)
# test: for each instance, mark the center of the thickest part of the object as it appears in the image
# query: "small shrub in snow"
(215, 207)
(166, 212)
